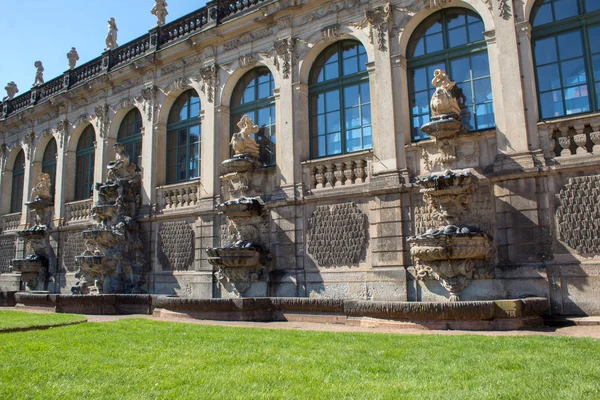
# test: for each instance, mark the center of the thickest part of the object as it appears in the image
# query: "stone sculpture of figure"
(443, 104)
(111, 37)
(39, 74)
(11, 89)
(121, 167)
(242, 141)
(73, 57)
(42, 188)
(160, 10)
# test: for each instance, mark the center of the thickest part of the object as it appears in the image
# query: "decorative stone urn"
(114, 261)
(451, 252)
(34, 266)
(243, 263)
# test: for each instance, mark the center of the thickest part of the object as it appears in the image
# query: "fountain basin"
(35, 232)
(97, 264)
(239, 164)
(459, 246)
(443, 128)
(242, 207)
(103, 237)
(39, 203)
(233, 257)
(32, 265)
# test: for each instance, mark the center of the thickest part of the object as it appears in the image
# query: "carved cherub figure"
(11, 89)
(443, 104)
(42, 188)
(160, 10)
(111, 37)
(242, 141)
(121, 167)
(73, 57)
(39, 74)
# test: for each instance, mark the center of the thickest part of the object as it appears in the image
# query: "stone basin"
(39, 203)
(98, 265)
(443, 128)
(239, 164)
(103, 237)
(104, 211)
(242, 207)
(36, 232)
(457, 246)
(27, 265)
(234, 257)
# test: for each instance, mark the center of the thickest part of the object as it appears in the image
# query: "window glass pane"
(350, 96)
(352, 117)
(362, 61)
(549, 77)
(332, 122)
(418, 79)
(594, 34)
(485, 116)
(480, 65)
(551, 104)
(576, 100)
(322, 149)
(194, 133)
(365, 92)
(483, 90)
(545, 51)
(455, 18)
(350, 66)
(320, 125)
(334, 144)
(543, 15)
(457, 37)
(596, 66)
(353, 140)
(182, 137)
(331, 71)
(421, 105)
(564, 9)
(476, 31)
(264, 117)
(419, 47)
(366, 114)
(573, 72)
(461, 69)
(194, 108)
(332, 100)
(367, 138)
(592, 5)
(434, 43)
(569, 45)
(436, 25)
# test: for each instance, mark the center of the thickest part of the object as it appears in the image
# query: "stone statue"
(41, 191)
(11, 89)
(111, 37)
(73, 57)
(39, 74)
(242, 141)
(160, 10)
(121, 167)
(443, 104)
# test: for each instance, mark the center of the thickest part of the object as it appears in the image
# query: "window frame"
(132, 138)
(16, 201)
(340, 83)
(90, 154)
(252, 107)
(49, 166)
(446, 56)
(174, 127)
(578, 23)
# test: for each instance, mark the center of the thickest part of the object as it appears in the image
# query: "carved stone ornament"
(210, 78)
(247, 60)
(433, 4)
(62, 128)
(147, 99)
(101, 115)
(377, 20)
(242, 142)
(331, 33)
(160, 11)
(11, 89)
(111, 36)
(39, 74)
(73, 57)
(282, 53)
(504, 9)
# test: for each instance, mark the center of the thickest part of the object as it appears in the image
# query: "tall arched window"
(253, 96)
(130, 135)
(340, 101)
(183, 138)
(18, 178)
(84, 164)
(451, 40)
(567, 56)
(49, 163)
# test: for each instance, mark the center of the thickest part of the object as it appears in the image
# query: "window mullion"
(589, 70)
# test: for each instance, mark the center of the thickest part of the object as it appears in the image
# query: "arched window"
(18, 178)
(183, 138)
(130, 135)
(84, 164)
(340, 101)
(253, 96)
(567, 56)
(49, 163)
(451, 40)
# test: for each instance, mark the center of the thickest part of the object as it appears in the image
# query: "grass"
(141, 359)
(11, 320)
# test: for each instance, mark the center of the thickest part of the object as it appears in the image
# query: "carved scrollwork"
(210, 78)
(378, 21)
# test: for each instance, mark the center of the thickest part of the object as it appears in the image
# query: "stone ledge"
(7, 299)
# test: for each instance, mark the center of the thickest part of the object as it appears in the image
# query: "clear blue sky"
(46, 30)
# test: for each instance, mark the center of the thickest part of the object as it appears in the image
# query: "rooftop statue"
(242, 142)
(73, 57)
(39, 74)
(11, 89)
(160, 10)
(443, 104)
(111, 37)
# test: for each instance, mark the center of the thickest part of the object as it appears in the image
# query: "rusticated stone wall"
(7, 253)
(73, 246)
(337, 234)
(578, 214)
(176, 246)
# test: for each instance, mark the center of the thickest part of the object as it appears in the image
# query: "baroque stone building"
(339, 91)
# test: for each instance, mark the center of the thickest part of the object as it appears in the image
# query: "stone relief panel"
(73, 245)
(337, 235)
(578, 214)
(7, 253)
(176, 246)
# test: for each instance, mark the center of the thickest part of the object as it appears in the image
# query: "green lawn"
(10, 320)
(142, 359)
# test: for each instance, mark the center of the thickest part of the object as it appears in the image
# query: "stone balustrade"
(572, 136)
(338, 171)
(11, 222)
(78, 211)
(178, 195)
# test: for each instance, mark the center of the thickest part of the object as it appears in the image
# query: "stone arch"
(528, 6)
(238, 73)
(38, 152)
(12, 156)
(307, 62)
(477, 6)
(71, 145)
(117, 119)
(7, 177)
